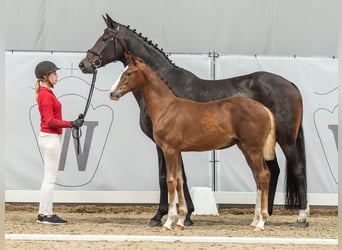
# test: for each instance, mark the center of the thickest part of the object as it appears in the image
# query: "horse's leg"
(189, 203)
(305, 210)
(296, 186)
(182, 207)
(163, 198)
(274, 169)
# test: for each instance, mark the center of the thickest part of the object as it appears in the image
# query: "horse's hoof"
(179, 227)
(302, 223)
(188, 222)
(155, 223)
(156, 219)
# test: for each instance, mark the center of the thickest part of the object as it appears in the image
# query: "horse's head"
(129, 80)
(105, 50)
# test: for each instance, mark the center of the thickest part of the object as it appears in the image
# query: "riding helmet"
(44, 68)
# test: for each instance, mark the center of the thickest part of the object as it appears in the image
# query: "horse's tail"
(292, 195)
(269, 146)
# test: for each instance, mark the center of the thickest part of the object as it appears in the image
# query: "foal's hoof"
(302, 223)
(179, 227)
(166, 229)
(258, 229)
(253, 225)
(155, 223)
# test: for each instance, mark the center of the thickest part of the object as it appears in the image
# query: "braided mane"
(147, 41)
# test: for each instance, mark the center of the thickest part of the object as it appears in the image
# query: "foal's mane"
(158, 75)
(164, 81)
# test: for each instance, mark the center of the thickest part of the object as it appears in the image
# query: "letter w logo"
(81, 158)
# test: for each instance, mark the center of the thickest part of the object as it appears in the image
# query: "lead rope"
(76, 131)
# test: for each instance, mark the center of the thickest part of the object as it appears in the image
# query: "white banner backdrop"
(316, 79)
(117, 156)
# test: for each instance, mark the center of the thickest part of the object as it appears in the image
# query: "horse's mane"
(147, 42)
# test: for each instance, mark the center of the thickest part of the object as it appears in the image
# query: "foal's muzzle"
(115, 95)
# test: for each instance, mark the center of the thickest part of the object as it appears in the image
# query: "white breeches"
(50, 146)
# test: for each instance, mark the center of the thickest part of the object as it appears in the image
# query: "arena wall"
(120, 159)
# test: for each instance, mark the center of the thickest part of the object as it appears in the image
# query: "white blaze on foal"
(117, 81)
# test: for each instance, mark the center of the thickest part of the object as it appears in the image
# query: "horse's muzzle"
(86, 67)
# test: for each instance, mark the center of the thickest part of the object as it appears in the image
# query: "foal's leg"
(182, 207)
(171, 161)
(261, 176)
(251, 164)
(163, 198)
(263, 181)
(257, 209)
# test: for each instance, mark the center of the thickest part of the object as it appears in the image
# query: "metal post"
(340, 131)
(2, 125)
(213, 158)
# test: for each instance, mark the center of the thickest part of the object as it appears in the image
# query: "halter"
(97, 61)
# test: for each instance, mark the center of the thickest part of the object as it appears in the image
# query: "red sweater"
(50, 110)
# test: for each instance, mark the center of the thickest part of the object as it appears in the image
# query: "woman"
(51, 128)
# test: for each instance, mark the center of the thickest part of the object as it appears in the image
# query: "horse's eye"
(104, 39)
(128, 73)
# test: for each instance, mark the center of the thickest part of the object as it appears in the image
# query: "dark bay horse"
(278, 94)
(181, 125)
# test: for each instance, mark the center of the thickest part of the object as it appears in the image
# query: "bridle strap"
(77, 132)
(97, 61)
(90, 95)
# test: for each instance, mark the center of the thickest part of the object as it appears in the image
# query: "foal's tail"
(269, 146)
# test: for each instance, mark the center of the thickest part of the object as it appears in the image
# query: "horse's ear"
(104, 18)
(109, 21)
(108, 17)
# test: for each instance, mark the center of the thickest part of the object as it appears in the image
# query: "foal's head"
(129, 80)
